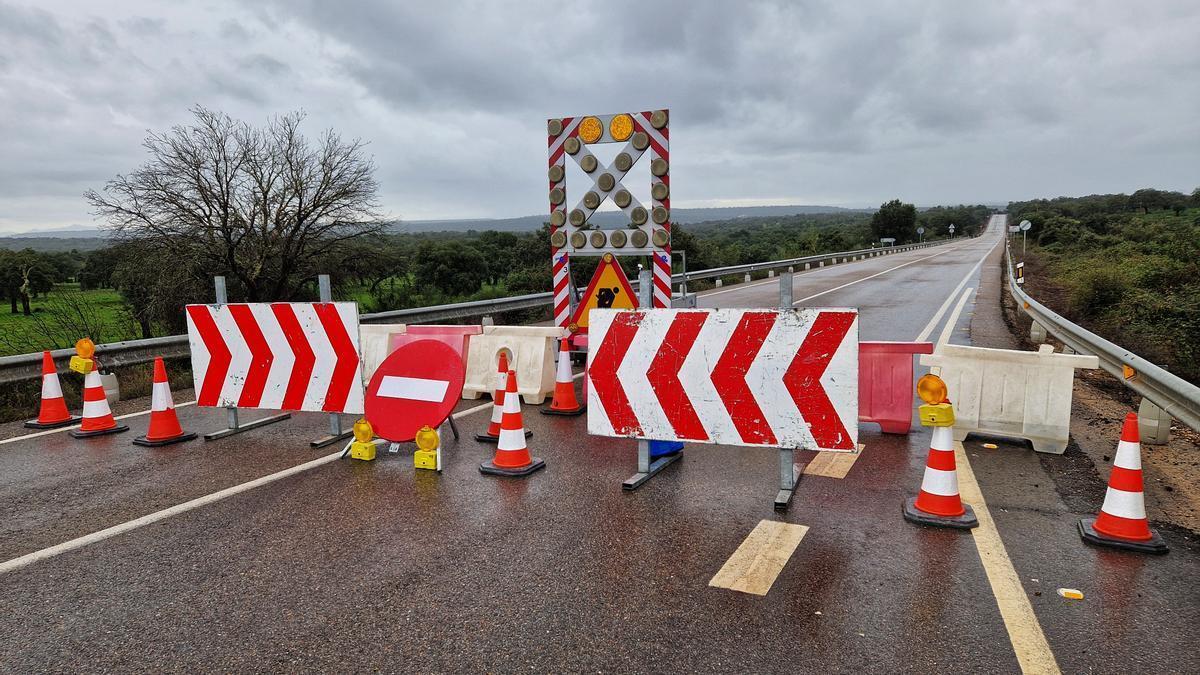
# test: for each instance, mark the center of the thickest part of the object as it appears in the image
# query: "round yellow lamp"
(937, 411)
(363, 448)
(82, 362)
(590, 129)
(621, 127)
(426, 456)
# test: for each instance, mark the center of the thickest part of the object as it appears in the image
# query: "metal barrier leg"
(789, 478)
(646, 468)
(236, 428)
(335, 433)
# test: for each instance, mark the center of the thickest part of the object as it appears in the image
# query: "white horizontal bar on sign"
(413, 388)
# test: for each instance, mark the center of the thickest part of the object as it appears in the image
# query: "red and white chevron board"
(278, 356)
(776, 377)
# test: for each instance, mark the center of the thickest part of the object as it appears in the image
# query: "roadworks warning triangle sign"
(609, 288)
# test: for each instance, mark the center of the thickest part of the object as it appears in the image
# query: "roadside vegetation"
(1127, 267)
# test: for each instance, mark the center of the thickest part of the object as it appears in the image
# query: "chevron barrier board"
(277, 356)
(783, 378)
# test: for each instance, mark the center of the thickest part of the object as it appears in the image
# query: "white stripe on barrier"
(941, 483)
(413, 388)
(1129, 455)
(943, 439)
(1124, 504)
(160, 397)
(51, 387)
(96, 409)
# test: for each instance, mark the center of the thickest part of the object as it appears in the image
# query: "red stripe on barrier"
(603, 373)
(729, 377)
(293, 397)
(347, 358)
(260, 356)
(803, 379)
(663, 375)
(218, 355)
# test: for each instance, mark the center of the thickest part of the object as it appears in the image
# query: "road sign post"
(335, 419)
(921, 234)
(1025, 225)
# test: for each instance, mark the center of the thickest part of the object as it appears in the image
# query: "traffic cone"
(53, 412)
(938, 503)
(564, 403)
(512, 455)
(164, 423)
(492, 434)
(1122, 521)
(97, 416)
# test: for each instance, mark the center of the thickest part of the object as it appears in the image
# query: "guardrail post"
(770, 273)
(785, 290)
(335, 419)
(718, 284)
(487, 321)
(1154, 424)
(807, 266)
(747, 279)
(1037, 333)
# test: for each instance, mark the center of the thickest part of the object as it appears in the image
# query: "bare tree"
(258, 204)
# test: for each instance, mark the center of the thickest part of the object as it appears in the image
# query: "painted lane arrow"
(803, 379)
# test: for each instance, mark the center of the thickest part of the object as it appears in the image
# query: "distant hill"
(610, 218)
(71, 232)
(53, 244)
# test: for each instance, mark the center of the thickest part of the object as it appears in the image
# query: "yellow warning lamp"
(937, 411)
(82, 362)
(590, 129)
(362, 447)
(621, 127)
(426, 455)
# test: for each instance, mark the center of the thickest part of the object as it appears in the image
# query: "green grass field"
(61, 317)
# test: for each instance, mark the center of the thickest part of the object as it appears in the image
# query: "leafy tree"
(895, 219)
(452, 268)
(24, 275)
(263, 206)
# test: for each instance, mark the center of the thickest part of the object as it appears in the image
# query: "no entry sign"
(416, 385)
(782, 378)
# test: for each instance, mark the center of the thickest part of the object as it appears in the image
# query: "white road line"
(756, 564)
(764, 282)
(948, 329)
(1024, 632)
(14, 439)
(877, 274)
(79, 542)
(925, 332)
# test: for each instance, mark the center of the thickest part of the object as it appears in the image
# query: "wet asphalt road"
(354, 566)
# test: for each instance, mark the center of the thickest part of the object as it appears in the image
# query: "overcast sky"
(842, 103)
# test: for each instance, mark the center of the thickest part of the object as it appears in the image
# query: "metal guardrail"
(28, 366)
(1178, 397)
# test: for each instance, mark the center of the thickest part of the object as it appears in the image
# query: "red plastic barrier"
(456, 337)
(885, 383)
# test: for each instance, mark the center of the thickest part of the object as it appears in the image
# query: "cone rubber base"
(1154, 544)
(570, 412)
(34, 424)
(914, 515)
(492, 469)
(76, 433)
(484, 438)
(147, 443)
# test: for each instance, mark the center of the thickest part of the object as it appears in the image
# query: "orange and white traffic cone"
(492, 434)
(97, 416)
(512, 455)
(938, 503)
(164, 423)
(1122, 521)
(53, 412)
(564, 402)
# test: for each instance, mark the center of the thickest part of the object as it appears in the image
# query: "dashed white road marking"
(833, 464)
(877, 274)
(756, 564)
(944, 338)
(1024, 632)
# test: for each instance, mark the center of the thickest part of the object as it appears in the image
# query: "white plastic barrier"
(374, 339)
(531, 352)
(1010, 393)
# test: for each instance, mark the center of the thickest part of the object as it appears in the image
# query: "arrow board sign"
(277, 356)
(779, 378)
